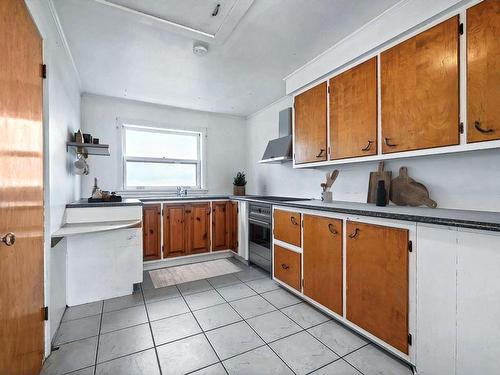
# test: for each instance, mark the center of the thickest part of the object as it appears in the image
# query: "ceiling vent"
(200, 49)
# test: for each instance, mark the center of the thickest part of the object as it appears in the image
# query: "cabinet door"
(219, 226)
(353, 112)
(322, 259)
(199, 228)
(483, 71)
(420, 105)
(151, 246)
(287, 227)
(310, 125)
(377, 281)
(174, 230)
(287, 266)
(232, 224)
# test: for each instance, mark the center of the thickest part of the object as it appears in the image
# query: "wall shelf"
(88, 148)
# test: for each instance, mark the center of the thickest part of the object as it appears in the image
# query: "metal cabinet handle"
(477, 125)
(354, 234)
(368, 146)
(285, 266)
(198, 219)
(294, 220)
(9, 239)
(331, 228)
(388, 143)
(320, 153)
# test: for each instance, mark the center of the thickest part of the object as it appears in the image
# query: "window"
(159, 159)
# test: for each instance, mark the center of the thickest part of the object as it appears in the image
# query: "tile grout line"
(151, 331)
(265, 344)
(98, 338)
(204, 334)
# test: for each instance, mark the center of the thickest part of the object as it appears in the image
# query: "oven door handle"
(260, 223)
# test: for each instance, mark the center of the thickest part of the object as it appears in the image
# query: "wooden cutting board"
(407, 192)
(375, 177)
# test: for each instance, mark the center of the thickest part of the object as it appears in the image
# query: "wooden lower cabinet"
(287, 227)
(151, 232)
(377, 287)
(176, 229)
(322, 257)
(199, 228)
(287, 266)
(220, 229)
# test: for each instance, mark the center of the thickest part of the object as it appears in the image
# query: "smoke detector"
(200, 49)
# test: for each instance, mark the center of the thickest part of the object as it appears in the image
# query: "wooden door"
(219, 226)
(174, 229)
(420, 104)
(310, 125)
(483, 71)
(322, 257)
(151, 231)
(232, 224)
(287, 227)
(353, 112)
(21, 192)
(377, 281)
(199, 221)
(287, 266)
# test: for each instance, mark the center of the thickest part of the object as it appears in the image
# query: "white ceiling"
(124, 54)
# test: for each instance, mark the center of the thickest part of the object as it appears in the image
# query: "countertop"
(83, 203)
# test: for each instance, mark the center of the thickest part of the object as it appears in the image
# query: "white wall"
(463, 181)
(225, 145)
(61, 119)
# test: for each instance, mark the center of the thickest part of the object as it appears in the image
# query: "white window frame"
(200, 163)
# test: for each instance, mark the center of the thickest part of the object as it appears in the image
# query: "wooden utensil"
(330, 178)
(375, 177)
(407, 192)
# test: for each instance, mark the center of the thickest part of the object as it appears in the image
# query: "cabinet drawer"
(287, 227)
(287, 265)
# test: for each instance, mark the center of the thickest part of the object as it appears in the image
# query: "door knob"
(9, 239)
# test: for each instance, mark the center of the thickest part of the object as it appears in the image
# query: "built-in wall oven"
(259, 235)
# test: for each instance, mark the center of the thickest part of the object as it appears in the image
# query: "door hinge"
(410, 246)
(302, 283)
(43, 71)
(461, 29)
(302, 223)
(328, 89)
(410, 339)
(461, 128)
(46, 313)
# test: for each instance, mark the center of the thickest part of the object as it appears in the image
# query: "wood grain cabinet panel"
(483, 71)
(353, 112)
(322, 257)
(420, 90)
(175, 229)
(287, 227)
(220, 228)
(311, 125)
(151, 231)
(287, 266)
(199, 231)
(377, 281)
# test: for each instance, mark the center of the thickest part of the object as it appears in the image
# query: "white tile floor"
(242, 324)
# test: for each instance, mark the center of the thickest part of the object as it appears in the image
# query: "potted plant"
(239, 183)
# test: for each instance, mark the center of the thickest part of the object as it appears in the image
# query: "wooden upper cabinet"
(310, 125)
(151, 231)
(175, 227)
(232, 224)
(219, 226)
(287, 265)
(420, 90)
(353, 112)
(287, 227)
(483, 71)
(322, 257)
(377, 281)
(199, 231)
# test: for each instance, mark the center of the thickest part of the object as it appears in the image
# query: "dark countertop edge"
(84, 204)
(403, 217)
(181, 199)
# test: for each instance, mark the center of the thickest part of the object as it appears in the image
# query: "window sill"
(158, 193)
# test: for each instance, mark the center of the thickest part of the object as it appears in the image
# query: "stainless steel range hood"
(279, 150)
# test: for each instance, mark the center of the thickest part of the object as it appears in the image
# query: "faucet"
(181, 191)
